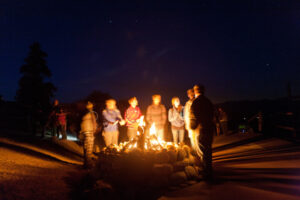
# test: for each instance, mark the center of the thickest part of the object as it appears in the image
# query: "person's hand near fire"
(122, 122)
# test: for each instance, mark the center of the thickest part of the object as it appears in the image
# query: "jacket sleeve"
(119, 116)
(181, 115)
(149, 115)
(107, 117)
(192, 116)
(185, 113)
(170, 115)
(140, 112)
(125, 115)
(95, 125)
(164, 114)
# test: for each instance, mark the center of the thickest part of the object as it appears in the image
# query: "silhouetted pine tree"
(35, 91)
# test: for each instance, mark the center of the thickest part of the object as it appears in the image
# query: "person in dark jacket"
(201, 120)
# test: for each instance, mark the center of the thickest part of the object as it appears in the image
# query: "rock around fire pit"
(138, 170)
(144, 165)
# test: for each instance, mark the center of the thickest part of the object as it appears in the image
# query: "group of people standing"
(197, 117)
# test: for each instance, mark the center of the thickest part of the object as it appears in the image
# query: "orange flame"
(152, 141)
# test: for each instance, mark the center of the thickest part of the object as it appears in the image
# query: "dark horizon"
(239, 51)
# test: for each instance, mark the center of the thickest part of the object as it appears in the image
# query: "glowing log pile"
(146, 161)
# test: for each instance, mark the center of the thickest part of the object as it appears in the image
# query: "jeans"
(110, 137)
(178, 134)
(131, 133)
(63, 130)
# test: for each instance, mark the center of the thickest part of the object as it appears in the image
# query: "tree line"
(36, 92)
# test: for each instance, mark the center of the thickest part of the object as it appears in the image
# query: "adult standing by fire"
(112, 117)
(187, 108)
(157, 114)
(201, 121)
(88, 128)
(193, 135)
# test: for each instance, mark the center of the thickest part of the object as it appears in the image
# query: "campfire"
(143, 141)
(146, 161)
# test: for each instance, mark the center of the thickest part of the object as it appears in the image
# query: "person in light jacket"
(187, 108)
(88, 128)
(176, 118)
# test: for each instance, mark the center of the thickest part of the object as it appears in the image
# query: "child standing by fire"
(111, 118)
(176, 119)
(132, 117)
(157, 114)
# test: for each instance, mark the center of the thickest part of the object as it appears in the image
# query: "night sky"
(246, 50)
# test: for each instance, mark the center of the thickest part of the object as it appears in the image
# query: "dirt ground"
(28, 174)
(246, 167)
(249, 168)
